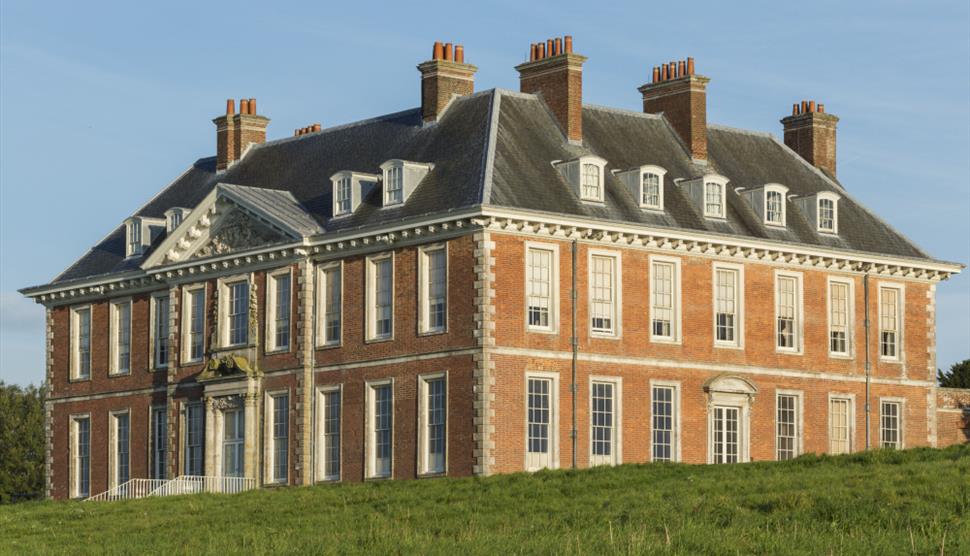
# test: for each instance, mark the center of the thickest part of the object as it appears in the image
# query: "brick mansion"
(493, 282)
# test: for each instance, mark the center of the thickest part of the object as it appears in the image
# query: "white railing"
(195, 484)
(185, 484)
(134, 488)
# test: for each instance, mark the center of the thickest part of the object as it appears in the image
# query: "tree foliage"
(21, 443)
(957, 377)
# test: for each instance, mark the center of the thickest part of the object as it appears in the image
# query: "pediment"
(221, 224)
(730, 384)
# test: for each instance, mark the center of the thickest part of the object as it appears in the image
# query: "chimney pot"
(811, 106)
(436, 51)
(663, 72)
(672, 70)
(656, 74)
(440, 82)
(252, 106)
(317, 127)
(821, 108)
(558, 46)
(569, 44)
(460, 54)
(230, 107)
(804, 106)
(690, 66)
(681, 68)
(550, 48)
(448, 51)
(542, 51)
(683, 102)
(243, 106)
(794, 109)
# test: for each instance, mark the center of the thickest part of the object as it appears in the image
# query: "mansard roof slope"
(494, 149)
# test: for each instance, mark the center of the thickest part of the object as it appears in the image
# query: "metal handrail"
(129, 490)
(184, 484)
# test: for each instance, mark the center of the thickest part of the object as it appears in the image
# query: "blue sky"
(103, 104)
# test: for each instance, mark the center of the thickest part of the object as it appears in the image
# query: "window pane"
(786, 312)
(281, 427)
(839, 317)
(123, 364)
(332, 305)
(84, 343)
(826, 214)
(713, 204)
(591, 182)
(650, 190)
(194, 439)
(159, 443)
(839, 442)
(121, 445)
(83, 458)
(888, 322)
(197, 320)
(383, 298)
(603, 432)
(786, 427)
(774, 204)
(282, 305)
(889, 425)
(395, 185)
(331, 435)
(437, 290)
(382, 431)
(161, 331)
(239, 313)
(539, 415)
(436, 415)
(663, 423)
(726, 305)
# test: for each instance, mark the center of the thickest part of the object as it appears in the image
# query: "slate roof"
(280, 205)
(495, 148)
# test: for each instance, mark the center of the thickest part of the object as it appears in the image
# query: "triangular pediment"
(227, 221)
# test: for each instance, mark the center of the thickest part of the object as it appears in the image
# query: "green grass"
(909, 502)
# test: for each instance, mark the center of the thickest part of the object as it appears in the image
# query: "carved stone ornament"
(238, 230)
(223, 403)
(227, 366)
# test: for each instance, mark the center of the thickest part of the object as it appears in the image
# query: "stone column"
(304, 390)
(210, 437)
(251, 458)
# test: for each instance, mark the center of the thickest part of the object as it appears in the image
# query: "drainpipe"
(575, 345)
(865, 289)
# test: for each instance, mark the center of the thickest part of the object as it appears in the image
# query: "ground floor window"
(328, 427)
(541, 405)
(889, 424)
(194, 439)
(380, 434)
(840, 425)
(233, 442)
(604, 428)
(159, 442)
(432, 426)
(663, 421)
(786, 426)
(81, 457)
(120, 440)
(279, 445)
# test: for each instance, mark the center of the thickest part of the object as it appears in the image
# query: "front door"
(726, 436)
(233, 442)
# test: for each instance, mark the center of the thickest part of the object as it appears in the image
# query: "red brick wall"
(952, 416)
(559, 80)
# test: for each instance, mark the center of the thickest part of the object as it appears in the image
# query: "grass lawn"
(909, 502)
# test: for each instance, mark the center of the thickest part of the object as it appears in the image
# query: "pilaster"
(484, 365)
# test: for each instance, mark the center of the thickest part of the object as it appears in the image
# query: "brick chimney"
(810, 132)
(236, 132)
(556, 73)
(681, 95)
(443, 77)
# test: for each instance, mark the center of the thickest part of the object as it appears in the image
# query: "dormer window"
(349, 189)
(173, 217)
(394, 189)
(585, 175)
(774, 204)
(827, 213)
(592, 187)
(645, 183)
(401, 178)
(134, 238)
(343, 192)
(713, 199)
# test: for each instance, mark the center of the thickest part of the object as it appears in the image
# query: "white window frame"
(186, 427)
(371, 310)
(270, 398)
(616, 330)
(396, 167)
(153, 411)
(600, 166)
(829, 196)
(424, 285)
(321, 309)
(76, 342)
(799, 319)
(154, 335)
(675, 405)
(660, 173)
(850, 398)
(722, 181)
(783, 192)
(338, 188)
(74, 470)
(738, 270)
(553, 249)
(113, 461)
(799, 421)
(114, 334)
(675, 326)
(225, 285)
(187, 309)
(616, 457)
(900, 421)
(424, 465)
(370, 437)
(850, 316)
(900, 312)
(320, 440)
(553, 454)
(134, 234)
(272, 308)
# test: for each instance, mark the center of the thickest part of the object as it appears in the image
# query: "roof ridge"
(722, 127)
(623, 111)
(340, 127)
(488, 164)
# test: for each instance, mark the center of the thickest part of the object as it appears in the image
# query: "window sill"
(380, 478)
(788, 351)
(79, 379)
(891, 361)
(277, 351)
(190, 362)
(728, 346)
(597, 202)
(547, 331)
(433, 474)
(648, 208)
(332, 345)
(604, 336)
(661, 340)
(432, 332)
(841, 356)
(328, 480)
(119, 375)
(379, 340)
(776, 226)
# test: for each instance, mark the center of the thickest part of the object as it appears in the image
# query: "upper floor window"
(890, 318)
(234, 312)
(827, 212)
(645, 184)
(193, 319)
(432, 423)
(134, 232)
(401, 178)
(840, 306)
(380, 297)
(727, 305)
(603, 292)
(120, 337)
(664, 297)
(330, 292)
(81, 341)
(173, 217)
(788, 312)
(160, 329)
(714, 199)
(890, 413)
(279, 296)
(774, 203)
(433, 288)
(344, 196)
(540, 278)
(592, 184)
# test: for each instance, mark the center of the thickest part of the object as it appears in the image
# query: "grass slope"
(914, 501)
